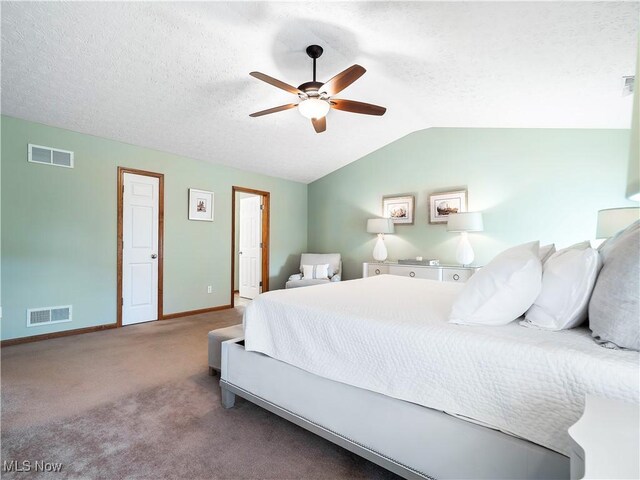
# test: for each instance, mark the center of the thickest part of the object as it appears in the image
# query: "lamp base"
(464, 253)
(380, 250)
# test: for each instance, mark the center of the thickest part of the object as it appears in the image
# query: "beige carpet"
(137, 402)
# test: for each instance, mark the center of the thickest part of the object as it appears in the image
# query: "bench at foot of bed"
(216, 337)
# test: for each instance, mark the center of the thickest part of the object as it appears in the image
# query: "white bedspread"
(389, 334)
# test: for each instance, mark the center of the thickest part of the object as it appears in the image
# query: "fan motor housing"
(310, 87)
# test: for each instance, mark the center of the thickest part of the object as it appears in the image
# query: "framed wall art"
(398, 208)
(443, 204)
(200, 205)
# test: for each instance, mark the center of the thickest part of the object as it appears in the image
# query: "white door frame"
(266, 202)
(120, 195)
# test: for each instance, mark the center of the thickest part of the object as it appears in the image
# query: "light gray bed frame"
(405, 438)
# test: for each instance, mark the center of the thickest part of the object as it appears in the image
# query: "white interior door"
(250, 249)
(140, 249)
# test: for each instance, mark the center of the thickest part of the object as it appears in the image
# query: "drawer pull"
(377, 271)
(456, 276)
(412, 274)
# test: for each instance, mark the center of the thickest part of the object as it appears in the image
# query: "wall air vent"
(628, 84)
(48, 315)
(50, 156)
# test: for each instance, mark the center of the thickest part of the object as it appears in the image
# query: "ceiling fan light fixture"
(314, 108)
(317, 98)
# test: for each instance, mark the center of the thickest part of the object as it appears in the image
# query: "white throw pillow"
(546, 252)
(568, 278)
(316, 271)
(501, 291)
(580, 245)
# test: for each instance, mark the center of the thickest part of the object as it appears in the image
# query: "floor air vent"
(48, 315)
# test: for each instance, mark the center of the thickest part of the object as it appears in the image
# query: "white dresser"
(442, 273)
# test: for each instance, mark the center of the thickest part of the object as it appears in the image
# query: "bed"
(373, 365)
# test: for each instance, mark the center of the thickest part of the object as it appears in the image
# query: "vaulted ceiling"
(175, 76)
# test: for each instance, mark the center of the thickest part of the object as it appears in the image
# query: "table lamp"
(464, 223)
(380, 226)
(612, 220)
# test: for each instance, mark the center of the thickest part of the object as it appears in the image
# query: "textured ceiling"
(175, 76)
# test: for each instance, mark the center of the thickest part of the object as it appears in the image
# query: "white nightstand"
(442, 273)
(606, 440)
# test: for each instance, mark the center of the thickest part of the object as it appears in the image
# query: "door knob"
(239, 253)
(154, 255)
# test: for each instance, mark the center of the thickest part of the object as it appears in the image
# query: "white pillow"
(546, 251)
(580, 245)
(568, 279)
(316, 271)
(501, 291)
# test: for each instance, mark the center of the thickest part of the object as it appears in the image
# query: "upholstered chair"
(334, 270)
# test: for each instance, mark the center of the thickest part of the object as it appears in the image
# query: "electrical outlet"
(209, 289)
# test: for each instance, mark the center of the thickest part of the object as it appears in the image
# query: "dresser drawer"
(415, 272)
(373, 270)
(456, 275)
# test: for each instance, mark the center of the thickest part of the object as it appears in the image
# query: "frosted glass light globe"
(313, 108)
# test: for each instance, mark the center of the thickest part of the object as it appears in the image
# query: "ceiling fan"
(316, 98)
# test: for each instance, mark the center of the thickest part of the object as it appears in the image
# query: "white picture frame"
(441, 204)
(201, 205)
(399, 208)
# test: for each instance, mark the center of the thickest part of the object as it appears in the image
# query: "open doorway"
(249, 244)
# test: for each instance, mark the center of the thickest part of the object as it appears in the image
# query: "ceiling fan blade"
(274, 110)
(320, 124)
(342, 80)
(357, 107)
(276, 83)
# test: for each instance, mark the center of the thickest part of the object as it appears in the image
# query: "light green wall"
(59, 228)
(633, 180)
(531, 184)
(59, 225)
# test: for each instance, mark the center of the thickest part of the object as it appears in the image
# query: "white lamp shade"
(612, 220)
(380, 225)
(465, 222)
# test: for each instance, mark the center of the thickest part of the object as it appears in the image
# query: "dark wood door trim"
(266, 213)
(160, 177)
